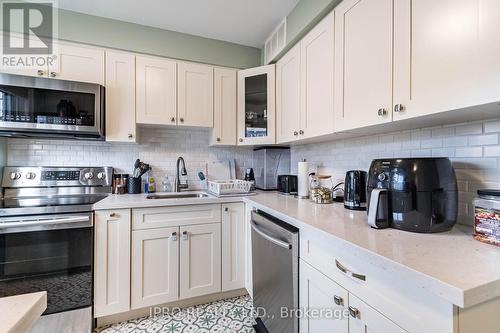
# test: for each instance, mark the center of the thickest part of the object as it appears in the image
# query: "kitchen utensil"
(134, 185)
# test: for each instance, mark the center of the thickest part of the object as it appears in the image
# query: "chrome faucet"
(178, 186)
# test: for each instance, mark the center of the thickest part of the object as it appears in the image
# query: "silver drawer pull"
(346, 271)
(185, 235)
(353, 312)
(338, 300)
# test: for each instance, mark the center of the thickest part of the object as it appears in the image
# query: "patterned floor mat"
(232, 315)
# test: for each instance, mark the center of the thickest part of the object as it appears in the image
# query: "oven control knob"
(89, 175)
(382, 177)
(101, 175)
(15, 175)
(30, 175)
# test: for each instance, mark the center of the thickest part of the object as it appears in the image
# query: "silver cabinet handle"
(346, 271)
(172, 119)
(226, 209)
(174, 236)
(301, 132)
(338, 300)
(295, 133)
(269, 238)
(40, 72)
(112, 214)
(240, 140)
(382, 112)
(182, 120)
(353, 312)
(218, 139)
(399, 108)
(130, 136)
(185, 235)
(53, 74)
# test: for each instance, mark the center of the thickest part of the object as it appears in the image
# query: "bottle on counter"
(166, 184)
(150, 184)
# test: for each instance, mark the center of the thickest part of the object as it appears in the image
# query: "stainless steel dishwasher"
(275, 266)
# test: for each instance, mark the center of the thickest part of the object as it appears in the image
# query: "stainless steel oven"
(43, 107)
(46, 240)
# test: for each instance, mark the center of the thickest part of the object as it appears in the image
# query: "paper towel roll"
(303, 180)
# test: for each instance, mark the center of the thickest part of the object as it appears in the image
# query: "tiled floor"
(228, 316)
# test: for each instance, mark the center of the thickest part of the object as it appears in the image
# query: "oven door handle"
(27, 223)
(270, 238)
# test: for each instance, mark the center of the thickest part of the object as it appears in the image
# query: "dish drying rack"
(229, 187)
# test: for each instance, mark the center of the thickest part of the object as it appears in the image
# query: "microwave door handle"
(20, 224)
(373, 206)
(270, 238)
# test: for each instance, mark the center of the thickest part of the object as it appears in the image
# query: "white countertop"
(117, 201)
(19, 313)
(451, 265)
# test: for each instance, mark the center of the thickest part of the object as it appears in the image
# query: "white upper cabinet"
(256, 106)
(224, 131)
(17, 40)
(446, 55)
(120, 97)
(78, 63)
(288, 86)
(363, 63)
(156, 91)
(317, 73)
(195, 95)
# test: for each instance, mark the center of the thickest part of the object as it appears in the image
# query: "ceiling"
(246, 22)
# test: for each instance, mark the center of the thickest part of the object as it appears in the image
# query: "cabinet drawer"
(160, 217)
(376, 282)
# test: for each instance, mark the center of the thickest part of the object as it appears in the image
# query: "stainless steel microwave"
(48, 108)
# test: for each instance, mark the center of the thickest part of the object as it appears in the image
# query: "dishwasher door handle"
(273, 240)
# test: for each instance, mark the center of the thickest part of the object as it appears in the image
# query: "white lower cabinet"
(200, 260)
(155, 266)
(317, 292)
(233, 246)
(364, 318)
(111, 262)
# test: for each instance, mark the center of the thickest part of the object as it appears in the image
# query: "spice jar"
(320, 189)
(487, 217)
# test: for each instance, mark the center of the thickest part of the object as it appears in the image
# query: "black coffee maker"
(412, 194)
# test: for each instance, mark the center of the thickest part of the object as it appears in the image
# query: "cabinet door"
(195, 95)
(155, 260)
(78, 63)
(156, 89)
(256, 106)
(364, 318)
(17, 41)
(111, 262)
(233, 246)
(248, 251)
(224, 132)
(317, 292)
(200, 266)
(317, 73)
(120, 97)
(363, 63)
(288, 96)
(446, 55)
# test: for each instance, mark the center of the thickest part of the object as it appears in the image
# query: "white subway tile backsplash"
(464, 144)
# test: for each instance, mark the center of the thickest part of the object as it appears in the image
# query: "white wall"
(158, 147)
(473, 147)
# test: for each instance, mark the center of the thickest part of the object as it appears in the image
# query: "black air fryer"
(412, 194)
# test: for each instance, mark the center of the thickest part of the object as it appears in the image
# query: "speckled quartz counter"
(19, 313)
(452, 265)
(141, 201)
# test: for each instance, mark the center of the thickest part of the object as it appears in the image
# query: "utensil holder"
(134, 185)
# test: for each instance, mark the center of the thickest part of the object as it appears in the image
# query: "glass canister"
(321, 189)
(487, 217)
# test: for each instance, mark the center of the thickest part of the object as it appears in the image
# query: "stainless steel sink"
(177, 195)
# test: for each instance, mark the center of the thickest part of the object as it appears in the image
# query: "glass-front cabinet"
(256, 106)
